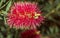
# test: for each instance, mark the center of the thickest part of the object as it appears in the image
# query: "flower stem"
(16, 34)
(52, 11)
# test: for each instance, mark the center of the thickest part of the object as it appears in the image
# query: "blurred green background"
(50, 28)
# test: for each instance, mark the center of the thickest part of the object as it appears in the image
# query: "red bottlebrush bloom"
(30, 34)
(24, 15)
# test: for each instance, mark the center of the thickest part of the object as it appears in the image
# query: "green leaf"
(4, 1)
(4, 4)
(4, 12)
(47, 7)
(9, 36)
(51, 30)
(1, 36)
(57, 2)
(48, 32)
(3, 29)
(1, 2)
(0, 18)
(56, 29)
(58, 6)
(8, 6)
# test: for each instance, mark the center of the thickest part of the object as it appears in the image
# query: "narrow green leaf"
(8, 6)
(1, 2)
(4, 1)
(3, 29)
(48, 32)
(58, 6)
(1, 36)
(4, 12)
(56, 29)
(51, 30)
(9, 36)
(0, 18)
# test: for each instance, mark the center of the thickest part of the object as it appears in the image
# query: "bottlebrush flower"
(24, 15)
(30, 34)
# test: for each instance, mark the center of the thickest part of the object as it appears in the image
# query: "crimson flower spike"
(24, 15)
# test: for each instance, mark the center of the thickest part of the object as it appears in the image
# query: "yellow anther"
(36, 15)
(38, 32)
(21, 15)
(29, 15)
